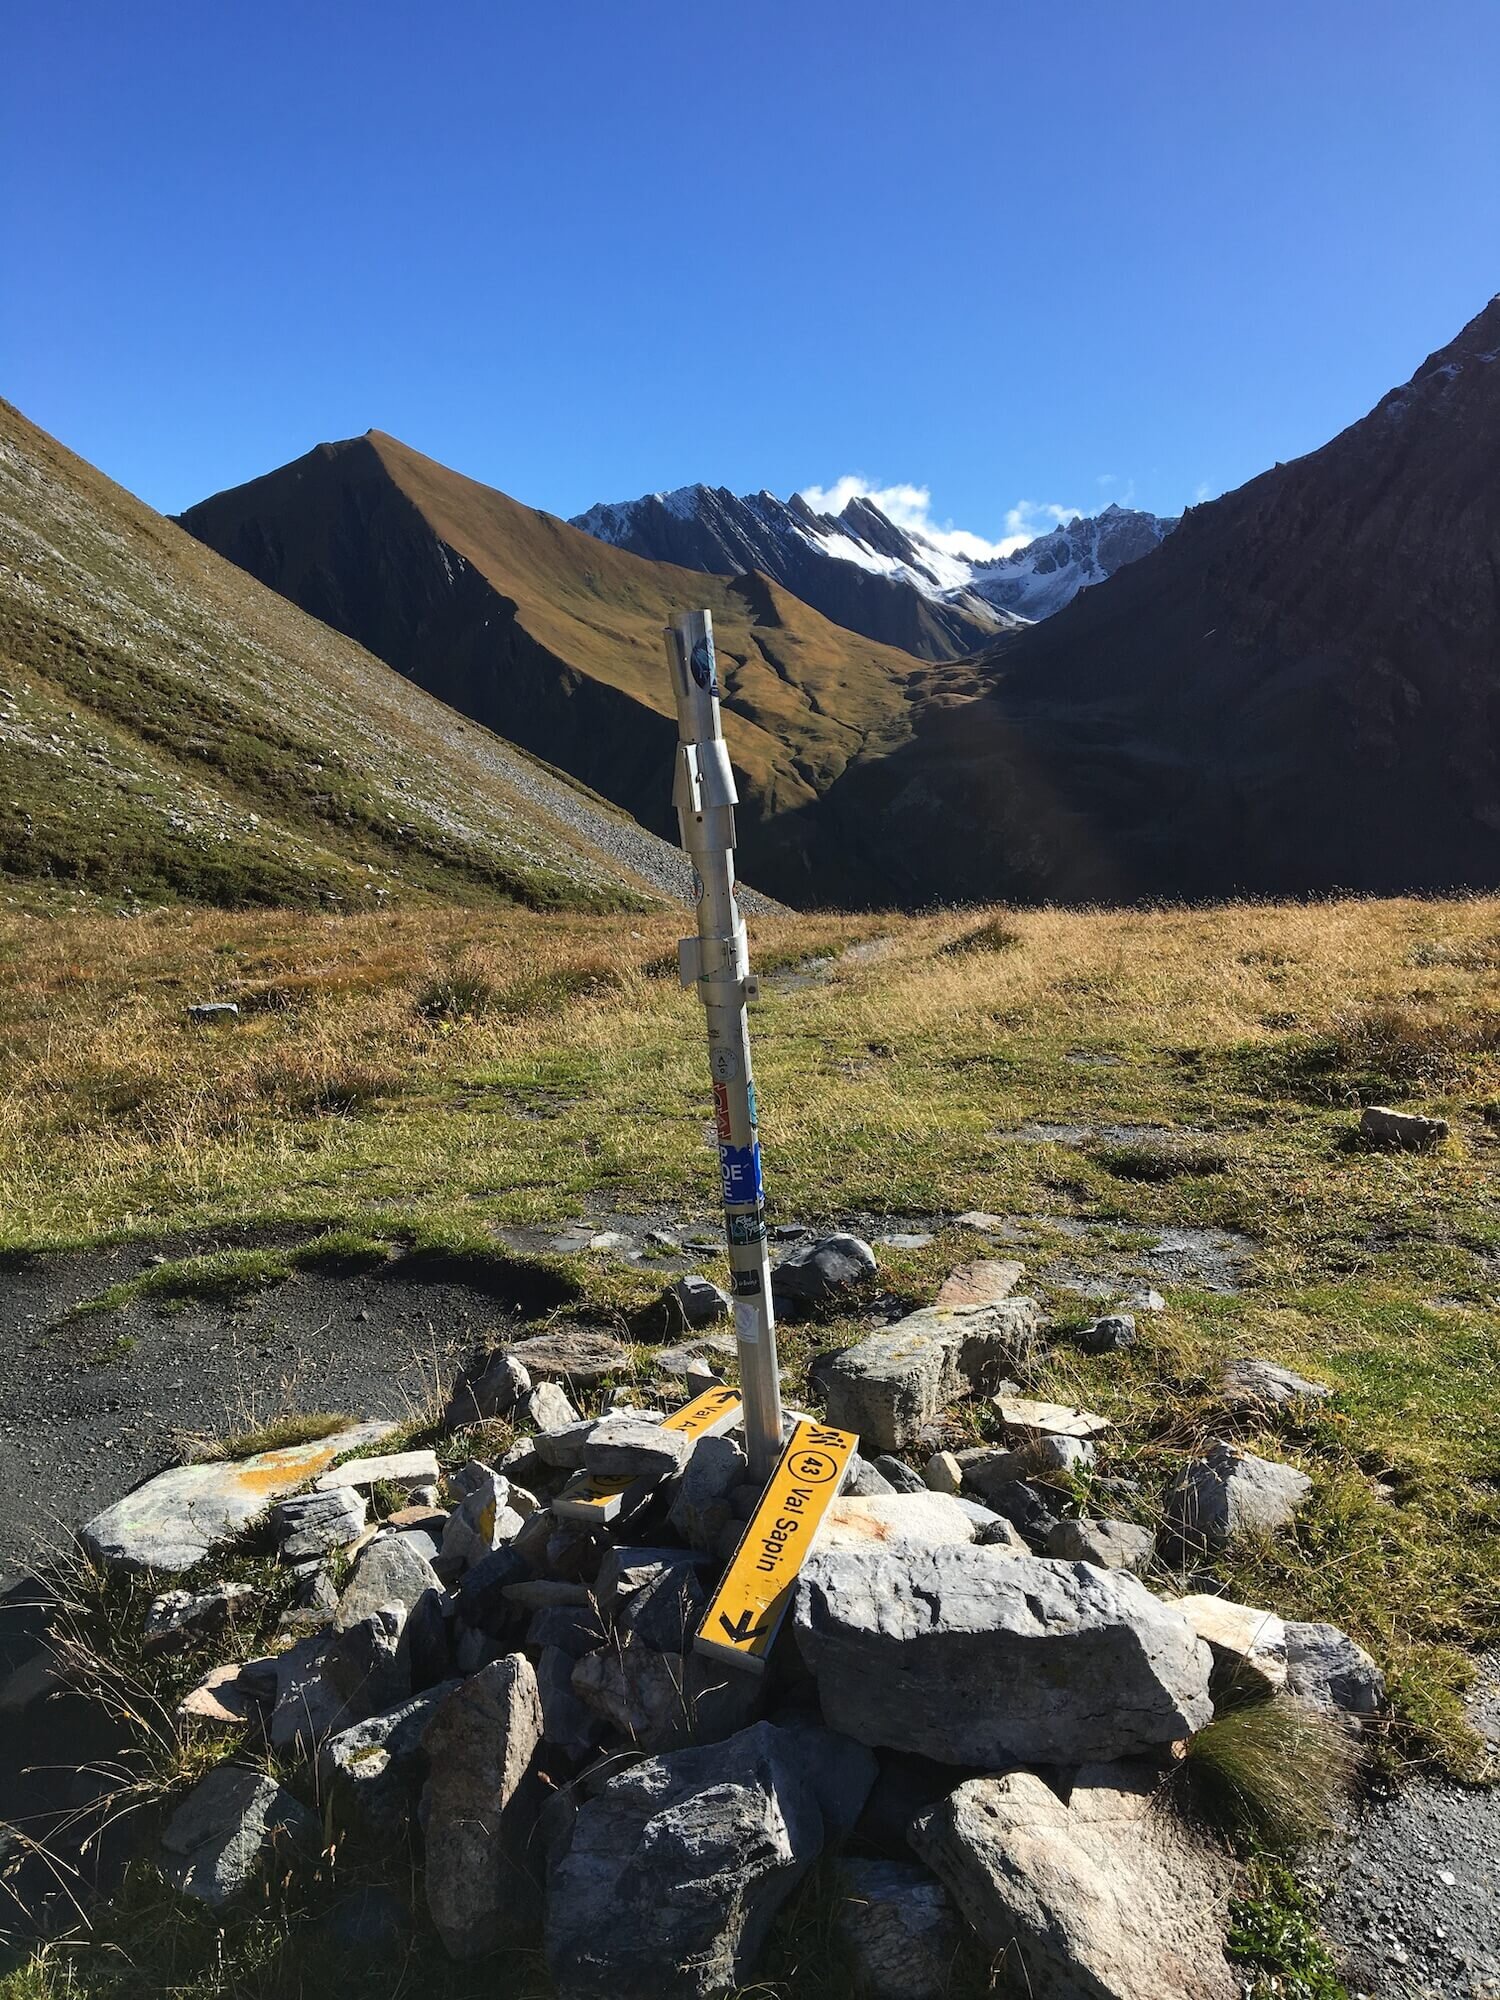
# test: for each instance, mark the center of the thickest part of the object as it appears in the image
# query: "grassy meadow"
(425, 1079)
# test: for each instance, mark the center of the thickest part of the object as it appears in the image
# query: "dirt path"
(89, 1407)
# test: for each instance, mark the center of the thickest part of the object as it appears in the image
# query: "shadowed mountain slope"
(1297, 692)
(555, 639)
(170, 730)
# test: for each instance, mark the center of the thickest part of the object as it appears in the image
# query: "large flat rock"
(982, 1657)
(173, 1521)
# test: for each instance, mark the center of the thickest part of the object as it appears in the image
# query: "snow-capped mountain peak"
(858, 566)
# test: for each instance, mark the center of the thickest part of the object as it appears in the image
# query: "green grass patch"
(1274, 1936)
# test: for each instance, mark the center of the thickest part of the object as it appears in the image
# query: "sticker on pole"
(739, 1168)
(592, 1499)
(742, 1621)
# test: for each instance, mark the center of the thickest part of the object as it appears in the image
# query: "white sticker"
(725, 1064)
(747, 1322)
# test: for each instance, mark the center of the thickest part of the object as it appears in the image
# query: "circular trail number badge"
(813, 1468)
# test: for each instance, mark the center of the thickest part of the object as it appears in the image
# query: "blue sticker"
(740, 1169)
(750, 1095)
(703, 665)
(746, 1229)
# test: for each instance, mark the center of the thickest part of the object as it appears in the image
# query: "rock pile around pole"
(979, 1696)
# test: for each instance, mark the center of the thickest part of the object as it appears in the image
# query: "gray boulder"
(479, 1809)
(371, 1773)
(624, 1570)
(368, 1662)
(567, 1724)
(897, 1474)
(1256, 1386)
(174, 1520)
(178, 1616)
(670, 1877)
(1106, 1544)
(306, 1706)
(700, 1302)
(389, 1571)
(700, 1506)
(1102, 1898)
(889, 1387)
(629, 1446)
(827, 1268)
(492, 1389)
(1231, 1492)
(980, 1656)
(546, 1409)
(314, 1524)
(1326, 1668)
(899, 1928)
(1404, 1130)
(571, 1354)
(662, 1700)
(1108, 1334)
(218, 1842)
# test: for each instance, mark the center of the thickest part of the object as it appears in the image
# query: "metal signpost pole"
(716, 961)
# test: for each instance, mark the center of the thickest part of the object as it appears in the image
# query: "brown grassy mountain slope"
(1298, 692)
(555, 639)
(171, 730)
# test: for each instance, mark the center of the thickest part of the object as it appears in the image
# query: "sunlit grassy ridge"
(171, 731)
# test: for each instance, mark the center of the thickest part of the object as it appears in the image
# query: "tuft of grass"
(1274, 1935)
(276, 1435)
(546, 993)
(1170, 1161)
(455, 996)
(1275, 1771)
(992, 935)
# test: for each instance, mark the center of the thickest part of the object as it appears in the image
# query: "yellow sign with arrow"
(747, 1609)
(591, 1500)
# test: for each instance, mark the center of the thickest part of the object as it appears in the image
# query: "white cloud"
(910, 507)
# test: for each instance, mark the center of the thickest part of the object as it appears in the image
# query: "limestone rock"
(700, 1302)
(372, 1772)
(1404, 1130)
(920, 1520)
(1262, 1386)
(571, 1354)
(980, 1656)
(824, 1269)
(1106, 1544)
(668, 1880)
(567, 1723)
(899, 1929)
(627, 1447)
(1325, 1667)
(981, 1222)
(710, 1353)
(479, 1809)
(232, 1823)
(307, 1705)
(1246, 1643)
(174, 1520)
(1029, 1419)
(179, 1616)
(943, 1473)
(401, 1468)
(482, 1522)
(1102, 1898)
(1230, 1492)
(887, 1388)
(700, 1506)
(368, 1663)
(986, 1468)
(490, 1388)
(625, 1570)
(315, 1524)
(1107, 1334)
(225, 1698)
(389, 1571)
(982, 1283)
(659, 1700)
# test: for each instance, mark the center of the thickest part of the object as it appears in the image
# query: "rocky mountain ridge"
(859, 568)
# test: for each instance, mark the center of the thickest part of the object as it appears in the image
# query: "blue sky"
(1009, 256)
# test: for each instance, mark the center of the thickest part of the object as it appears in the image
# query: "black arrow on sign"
(743, 1628)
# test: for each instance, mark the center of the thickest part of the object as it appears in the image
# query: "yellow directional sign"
(742, 1621)
(592, 1500)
